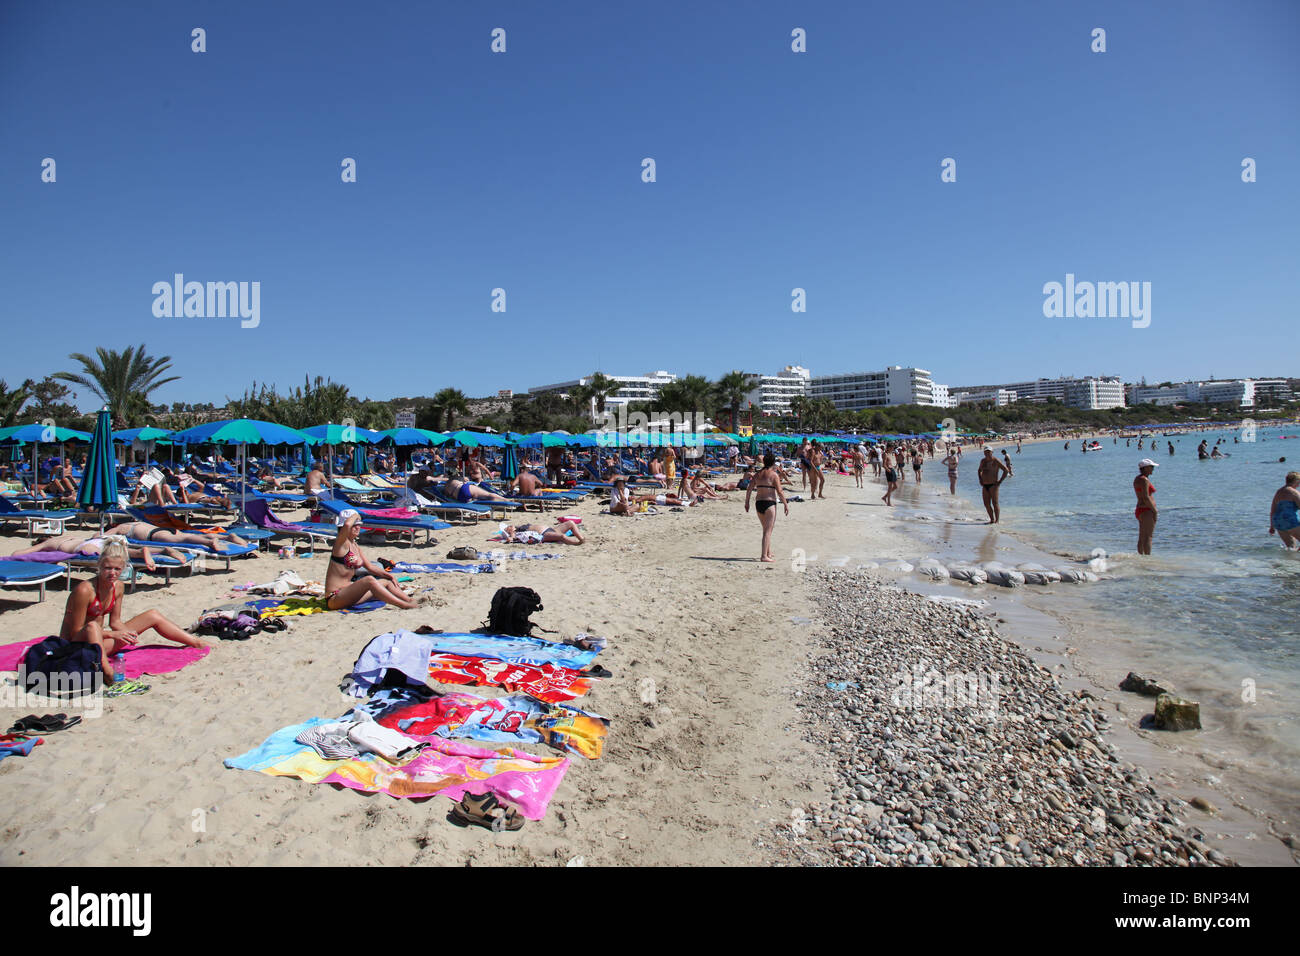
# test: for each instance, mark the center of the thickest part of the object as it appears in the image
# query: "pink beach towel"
(136, 661)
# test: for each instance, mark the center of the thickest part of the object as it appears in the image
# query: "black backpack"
(59, 668)
(511, 608)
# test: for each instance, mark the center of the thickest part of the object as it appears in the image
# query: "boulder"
(1175, 713)
(1140, 685)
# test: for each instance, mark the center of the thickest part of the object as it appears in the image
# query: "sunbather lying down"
(458, 489)
(79, 542)
(143, 531)
(565, 532)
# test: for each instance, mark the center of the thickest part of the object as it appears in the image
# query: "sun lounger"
(25, 574)
(258, 511)
(46, 522)
(164, 564)
(329, 502)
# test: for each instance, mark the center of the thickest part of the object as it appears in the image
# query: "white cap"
(345, 515)
(1147, 461)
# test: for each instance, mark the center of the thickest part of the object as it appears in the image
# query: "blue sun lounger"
(335, 505)
(26, 574)
(52, 520)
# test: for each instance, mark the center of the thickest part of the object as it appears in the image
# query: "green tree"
(602, 387)
(121, 379)
(448, 403)
(11, 403)
(731, 391)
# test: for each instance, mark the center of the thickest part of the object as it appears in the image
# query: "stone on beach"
(1177, 713)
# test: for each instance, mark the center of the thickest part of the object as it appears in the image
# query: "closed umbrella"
(510, 470)
(98, 487)
(358, 460)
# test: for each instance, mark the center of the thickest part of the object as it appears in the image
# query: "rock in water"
(1140, 685)
(1175, 713)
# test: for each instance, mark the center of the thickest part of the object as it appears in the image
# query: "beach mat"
(548, 682)
(441, 767)
(136, 661)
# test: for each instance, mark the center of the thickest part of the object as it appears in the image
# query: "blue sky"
(522, 171)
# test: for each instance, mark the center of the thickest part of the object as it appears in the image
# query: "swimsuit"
(351, 560)
(891, 475)
(465, 492)
(1137, 512)
(1286, 516)
(93, 609)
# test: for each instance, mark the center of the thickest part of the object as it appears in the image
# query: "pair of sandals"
(50, 723)
(485, 810)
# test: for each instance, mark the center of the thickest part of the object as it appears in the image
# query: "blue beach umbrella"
(98, 487)
(359, 466)
(242, 432)
(510, 469)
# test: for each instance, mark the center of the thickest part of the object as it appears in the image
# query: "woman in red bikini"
(1146, 506)
(89, 601)
(346, 559)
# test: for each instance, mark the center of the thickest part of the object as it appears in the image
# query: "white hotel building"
(858, 390)
(772, 394)
(632, 388)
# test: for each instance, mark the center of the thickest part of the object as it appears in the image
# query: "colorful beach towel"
(406, 567)
(136, 660)
(440, 767)
(287, 607)
(409, 653)
(503, 719)
(17, 745)
(547, 683)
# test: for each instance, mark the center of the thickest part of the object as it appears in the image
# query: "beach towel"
(17, 745)
(137, 660)
(525, 556)
(410, 653)
(503, 720)
(441, 767)
(547, 683)
(407, 567)
(289, 607)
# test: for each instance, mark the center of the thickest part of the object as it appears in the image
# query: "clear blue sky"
(523, 171)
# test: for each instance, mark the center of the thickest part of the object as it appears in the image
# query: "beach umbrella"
(412, 437)
(98, 487)
(470, 439)
(510, 470)
(358, 460)
(37, 434)
(242, 432)
(332, 434)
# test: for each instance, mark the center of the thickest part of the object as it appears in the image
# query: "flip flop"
(49, 724)
(124, 688)
(595, 670)
(486, 811)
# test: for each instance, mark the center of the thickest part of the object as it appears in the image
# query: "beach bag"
(463, 554)
(56, 667)
(511, 608)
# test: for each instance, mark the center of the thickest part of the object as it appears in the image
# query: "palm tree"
(580, 396)
(799, 407)
(731, 390)
(602, 387)
(121, 379)
(11, 403)
(447, 404)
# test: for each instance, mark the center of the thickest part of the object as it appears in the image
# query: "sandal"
(125, 688)
(595, 670)
(49, 724)
(486, 811)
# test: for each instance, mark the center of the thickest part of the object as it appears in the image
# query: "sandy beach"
(712, 752)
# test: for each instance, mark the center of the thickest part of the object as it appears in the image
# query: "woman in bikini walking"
(766, 489)
(1146, 506)
(346, 559)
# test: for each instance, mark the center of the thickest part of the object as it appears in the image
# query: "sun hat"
(1147, 461)
(346, 515)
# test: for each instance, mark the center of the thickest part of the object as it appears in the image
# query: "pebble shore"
(948, 746)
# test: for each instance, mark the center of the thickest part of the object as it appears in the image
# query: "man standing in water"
(1146, 506)
(991, 474)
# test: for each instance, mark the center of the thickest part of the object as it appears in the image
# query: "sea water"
(1214, 610)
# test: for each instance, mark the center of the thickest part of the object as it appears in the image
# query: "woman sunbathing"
(78, 542)
(458, 489)
(565, 532)
(346, 559)
(143, 531)
(661, 499)
(90, 601)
